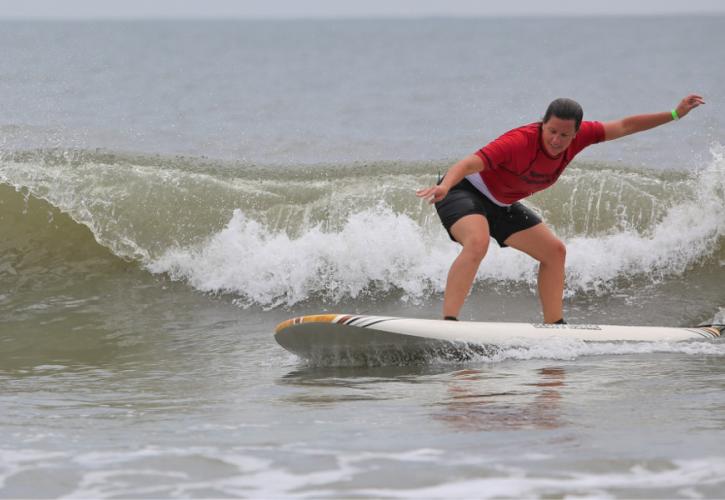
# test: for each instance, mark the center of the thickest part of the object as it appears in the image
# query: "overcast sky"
(276, 9)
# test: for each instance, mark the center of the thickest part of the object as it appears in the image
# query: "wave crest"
(277, 236)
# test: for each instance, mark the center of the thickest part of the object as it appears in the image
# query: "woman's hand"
(433, 194)
(688, 103)
(469, 165)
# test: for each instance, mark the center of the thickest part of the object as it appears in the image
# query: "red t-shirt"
(517, 165)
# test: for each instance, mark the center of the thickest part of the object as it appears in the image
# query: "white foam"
(264, 480)
(252, 471)
(119, 474)
(380, 250)
(685, 477)
(569, 349)
(375, 248)
(17, 461)
(688, 232)
(546, 348)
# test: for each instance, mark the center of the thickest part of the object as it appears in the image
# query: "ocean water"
(170, 191)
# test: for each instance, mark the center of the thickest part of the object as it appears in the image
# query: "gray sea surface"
(170, 191)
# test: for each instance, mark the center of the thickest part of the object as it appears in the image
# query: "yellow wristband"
(674, 115)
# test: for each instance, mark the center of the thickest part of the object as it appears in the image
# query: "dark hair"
(566, 109)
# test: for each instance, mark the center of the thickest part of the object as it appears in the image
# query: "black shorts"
(464, 199)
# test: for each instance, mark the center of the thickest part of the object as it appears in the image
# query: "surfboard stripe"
(361, 321)
(701, 332)
(712, 330)
(354, 319)
(344, 319)
(375, 322)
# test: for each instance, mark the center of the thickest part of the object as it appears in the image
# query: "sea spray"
(375, 250)
(378, 250)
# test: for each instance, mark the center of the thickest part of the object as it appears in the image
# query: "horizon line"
(373, 17)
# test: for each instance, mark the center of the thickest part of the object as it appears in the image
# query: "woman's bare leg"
(470, 231)
(540, 243)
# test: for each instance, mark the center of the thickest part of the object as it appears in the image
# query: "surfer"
(478, 198)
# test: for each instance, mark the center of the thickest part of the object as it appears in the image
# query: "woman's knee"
(472, 231)
(556, 252)
(476, 246)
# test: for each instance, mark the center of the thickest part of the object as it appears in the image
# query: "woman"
(479, 196)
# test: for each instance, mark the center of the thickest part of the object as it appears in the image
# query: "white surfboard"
(383, 339)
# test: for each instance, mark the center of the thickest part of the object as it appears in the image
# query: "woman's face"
(557, 134)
